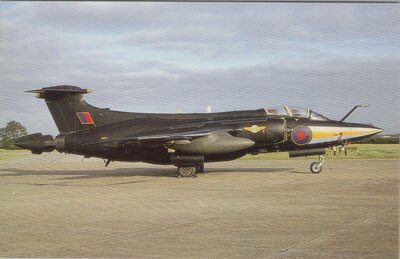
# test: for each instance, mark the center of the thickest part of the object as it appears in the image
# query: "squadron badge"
(85, 117)
(255, 128)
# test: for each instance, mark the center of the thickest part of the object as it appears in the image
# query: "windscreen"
(276, 111)
(298, 112)
(317, 117)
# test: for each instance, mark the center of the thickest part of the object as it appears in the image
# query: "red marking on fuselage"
(88, 118)
(301, 135)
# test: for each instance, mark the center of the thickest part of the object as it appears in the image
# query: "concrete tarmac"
(59, 206)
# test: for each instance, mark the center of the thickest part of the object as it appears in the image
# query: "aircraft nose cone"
(374, 130)
(356, 131)
(365, 131)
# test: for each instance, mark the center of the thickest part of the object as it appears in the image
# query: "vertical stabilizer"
(67, 107)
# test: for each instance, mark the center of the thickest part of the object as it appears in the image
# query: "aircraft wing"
(175, 136)
(154, 140)
(159, 140)
(196, 142)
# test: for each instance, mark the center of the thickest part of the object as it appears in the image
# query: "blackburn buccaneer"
(186, 140)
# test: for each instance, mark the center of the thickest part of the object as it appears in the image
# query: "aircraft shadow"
(129, 172)
(87, 174)
(247, 170)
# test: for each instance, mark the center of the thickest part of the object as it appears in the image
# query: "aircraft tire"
(316, 167)
(187, 171)
(199, 168)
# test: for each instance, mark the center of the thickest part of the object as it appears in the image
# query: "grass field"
(364, 151)
(8, 154)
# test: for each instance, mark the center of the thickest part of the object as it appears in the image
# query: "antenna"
(352, 110)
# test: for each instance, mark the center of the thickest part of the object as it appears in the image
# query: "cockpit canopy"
(296, 112)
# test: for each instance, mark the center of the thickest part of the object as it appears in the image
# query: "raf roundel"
(301, 135)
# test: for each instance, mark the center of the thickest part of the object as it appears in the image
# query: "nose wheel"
(316, 167)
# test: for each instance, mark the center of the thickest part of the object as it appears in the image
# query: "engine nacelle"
(215, 143)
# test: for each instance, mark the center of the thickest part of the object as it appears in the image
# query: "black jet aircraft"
(186, 140)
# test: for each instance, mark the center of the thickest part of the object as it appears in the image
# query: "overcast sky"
(161, 57)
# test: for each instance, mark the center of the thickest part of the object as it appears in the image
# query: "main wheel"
(189, 171)
(199, 168)
(316, 168)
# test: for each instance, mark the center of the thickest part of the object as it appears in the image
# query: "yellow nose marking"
(345, 133)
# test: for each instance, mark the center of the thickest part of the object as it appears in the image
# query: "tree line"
(379, 140)
(10, 133)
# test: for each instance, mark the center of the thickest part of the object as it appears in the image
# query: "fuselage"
(183, 139)
(270, 133)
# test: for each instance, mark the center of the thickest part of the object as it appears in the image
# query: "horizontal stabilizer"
(60, 90)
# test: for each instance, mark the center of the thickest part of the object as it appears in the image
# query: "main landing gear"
(200, 168)
(316, 167)
(190, 171)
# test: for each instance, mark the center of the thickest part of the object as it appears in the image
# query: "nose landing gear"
(316, 167)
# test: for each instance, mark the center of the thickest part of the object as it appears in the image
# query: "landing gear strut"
(200, 168)
(316, 167)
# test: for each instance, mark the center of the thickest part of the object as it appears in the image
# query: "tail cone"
(36, 143)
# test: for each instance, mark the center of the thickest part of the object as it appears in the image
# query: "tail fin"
(67, 107)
